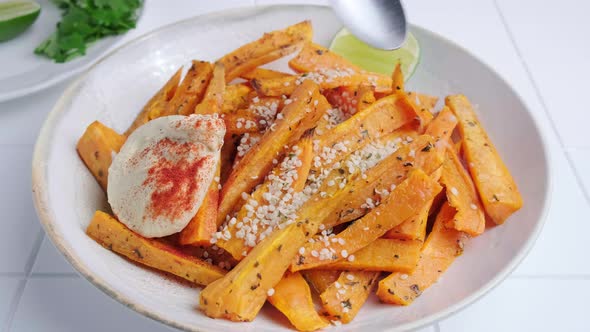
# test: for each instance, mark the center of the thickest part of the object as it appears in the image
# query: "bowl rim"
(46, 218)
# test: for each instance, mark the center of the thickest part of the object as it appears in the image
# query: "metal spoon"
(379, 23)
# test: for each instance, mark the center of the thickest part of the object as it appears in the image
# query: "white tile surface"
(553, 42)
(73, 304)
(581, 160)
(8, 289)
(50, 260)
(20, 227)
(527, 305)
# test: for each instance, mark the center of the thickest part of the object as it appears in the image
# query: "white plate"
(114, 90)
(22, 72)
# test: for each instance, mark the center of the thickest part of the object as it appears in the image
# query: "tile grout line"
(542, 101)
(21, 288)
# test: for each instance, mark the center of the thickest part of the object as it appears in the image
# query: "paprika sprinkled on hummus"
(158, 180)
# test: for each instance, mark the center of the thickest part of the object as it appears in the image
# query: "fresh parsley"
(84, 22)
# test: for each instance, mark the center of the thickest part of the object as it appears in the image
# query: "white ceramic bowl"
(114, 90)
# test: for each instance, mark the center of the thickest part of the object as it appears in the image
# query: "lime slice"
(377, 60)
(16, 16)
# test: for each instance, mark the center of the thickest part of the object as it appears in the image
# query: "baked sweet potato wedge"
(497, 189)
(212, 100)
(158, 103)
(296, 118)
(96, 148)
(389, 255)
(271, 46)
(292, 297)
(241, 293)
(285, 180)
(316, 58)
(235, 96)
(441, 248)
(319, 279)
(343, 299)
(403, 202)
(191, 90)
(462, 196)
(413, 228)
(262, 73)
(113, 235)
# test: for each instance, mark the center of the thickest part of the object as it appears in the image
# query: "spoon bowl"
(379, 23)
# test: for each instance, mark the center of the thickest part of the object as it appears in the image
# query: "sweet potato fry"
(292, 297)
(392, 171)
(397, 78)
(271, 46)
(424, 101)
(442, 246)
(113, 235)
(442, 126)
(382, 255)
(297, 117)
(382, 117)
(96, 148)
(235, 96)
(241, 293)
(262, 73)
(213, 99)
(316, 58)
(343, 299)
(497, 189)
(247, 141)
(462, 196)
(413, 228)
(287, 178)
(320, 280)
(228, 154)
(190, 92)
(157, 104)
(200, 229)
(285, 85)
(403, 202)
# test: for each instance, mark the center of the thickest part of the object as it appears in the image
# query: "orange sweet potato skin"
(113, 235)
(96, 148)
(191, 90)
(158, 103)
(298, 117)
(462, 196)
(320, 280)
(497, 189)
(442, 246)
(343, 300)
(271, 46)
(414, 228)
(389, 255)
(404, 201)
(292, 297)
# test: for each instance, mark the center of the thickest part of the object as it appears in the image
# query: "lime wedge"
(16, 16)
(377, 60)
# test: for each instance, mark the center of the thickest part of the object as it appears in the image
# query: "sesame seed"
(350, 277)
(301, 251)
(342, 291)
(314, 253)
(337, 285)
(351, 258)
(473, 206)
(454, 191)
(344, 253)
(270, 292)
(403, 276)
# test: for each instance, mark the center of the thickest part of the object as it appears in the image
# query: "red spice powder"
(175, 180)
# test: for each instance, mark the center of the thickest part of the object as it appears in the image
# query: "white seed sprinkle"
(270, 292)
(344, 253)
(350, 277)
(403, 276)
(351, 258)
(454, 191)
(301, 251)
(314, 253)
(473, 206)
